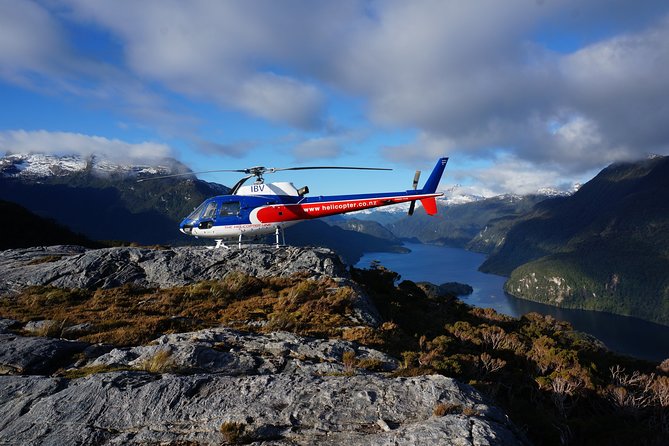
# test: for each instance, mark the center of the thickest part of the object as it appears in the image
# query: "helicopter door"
(229, 213)
(207, 219)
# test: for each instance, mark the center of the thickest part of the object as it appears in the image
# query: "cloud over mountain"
(564, 86)
(21, 141)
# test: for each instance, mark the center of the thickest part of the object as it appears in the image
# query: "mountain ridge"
(604, 248)
(102, 200)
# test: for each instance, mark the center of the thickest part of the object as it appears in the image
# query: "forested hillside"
(20, 228)
(604, 248)
(457, 225)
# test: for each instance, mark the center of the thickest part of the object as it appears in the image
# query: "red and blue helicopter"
(261, 209)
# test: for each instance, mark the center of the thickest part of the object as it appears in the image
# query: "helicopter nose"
(186, 229)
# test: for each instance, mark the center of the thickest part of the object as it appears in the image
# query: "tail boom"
(306, 211)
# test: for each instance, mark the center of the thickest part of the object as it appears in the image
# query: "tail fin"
(433, 181)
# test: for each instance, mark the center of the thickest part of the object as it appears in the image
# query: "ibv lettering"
(257, 188)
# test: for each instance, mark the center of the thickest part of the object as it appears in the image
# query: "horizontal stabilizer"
(430, 205)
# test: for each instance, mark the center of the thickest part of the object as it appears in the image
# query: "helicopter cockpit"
(220, 210)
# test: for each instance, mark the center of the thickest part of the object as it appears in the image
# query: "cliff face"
(215, 385)
(77, 267)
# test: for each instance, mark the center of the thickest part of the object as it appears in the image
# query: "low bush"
(235, 433)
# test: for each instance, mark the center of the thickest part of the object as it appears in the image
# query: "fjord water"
(437, 264)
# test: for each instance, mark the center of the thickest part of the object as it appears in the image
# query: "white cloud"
(36, 53)
(318, 148)
(228, 52)
(234, 150)
(278, 98)
(471, 78)
(42, 141)
(509, 174)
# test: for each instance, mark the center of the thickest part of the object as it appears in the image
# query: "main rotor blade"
(276, 169)
(260, 170)
(191, 173)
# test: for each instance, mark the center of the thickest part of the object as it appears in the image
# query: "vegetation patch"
(92, 370)
(44, 259)
(128, 315)
(557, 385)
(235, 433)
(447, 408)
(160, 362)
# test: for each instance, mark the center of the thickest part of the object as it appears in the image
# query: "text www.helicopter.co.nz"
(341, 206)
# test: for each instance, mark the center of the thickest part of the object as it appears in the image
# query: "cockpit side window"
(210, 211)
(229, 209)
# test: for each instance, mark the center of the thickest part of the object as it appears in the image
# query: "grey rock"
(161, 268)
(280, 409)
(77, 330)
(44, 326)
(34, 355)
(7, 324)
(281, 388)
(91, 269)
(230, 352)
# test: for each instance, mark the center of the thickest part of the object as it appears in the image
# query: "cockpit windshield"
(196, 213)
(210, 211)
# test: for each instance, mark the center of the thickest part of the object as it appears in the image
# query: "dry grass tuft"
(161, 362)
(92, 370)
(234, 433)
(129, 315)
(446, 408)
(45, 259)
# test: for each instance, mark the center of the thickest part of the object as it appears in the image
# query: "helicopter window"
(196, 213)
(229, 209)
(210, 211)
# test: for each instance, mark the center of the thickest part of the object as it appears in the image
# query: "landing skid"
(220, 243)
(283, 236)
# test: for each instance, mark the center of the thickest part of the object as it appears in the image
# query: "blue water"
(437, 264)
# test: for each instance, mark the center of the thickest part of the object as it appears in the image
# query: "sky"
(520, 94)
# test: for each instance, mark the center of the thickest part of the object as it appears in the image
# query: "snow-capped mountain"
(35, 166)
(455, 199)
(555, 192)
(100, 198)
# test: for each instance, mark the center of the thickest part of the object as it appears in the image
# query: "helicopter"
(264, 208)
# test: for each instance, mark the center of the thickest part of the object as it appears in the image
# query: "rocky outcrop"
(286, 409)
(28, 355)
(217, 385)
(78, 267)
(230, 352)
(276, 389)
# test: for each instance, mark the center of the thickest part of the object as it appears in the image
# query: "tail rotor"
(416, 177)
